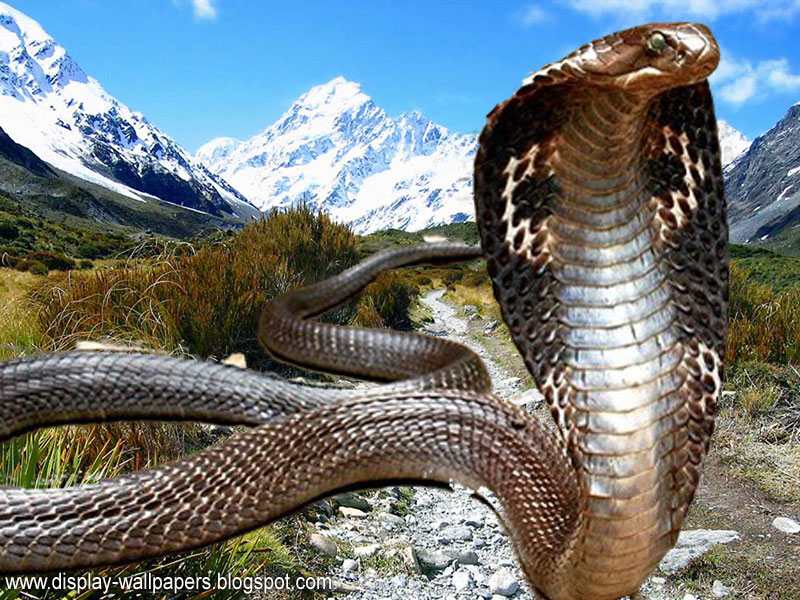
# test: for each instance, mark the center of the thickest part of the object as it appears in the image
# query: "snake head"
(647, 58)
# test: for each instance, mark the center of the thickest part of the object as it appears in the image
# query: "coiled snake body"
(599, 199)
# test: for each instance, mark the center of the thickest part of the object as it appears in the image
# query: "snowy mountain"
(51, 107)
(763, 185)
(337, 150)
(732, 142)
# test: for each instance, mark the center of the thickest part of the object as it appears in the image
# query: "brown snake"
(599, 199)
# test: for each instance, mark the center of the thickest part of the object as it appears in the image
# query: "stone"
(475, 521)
(692, 544)
(503, 583)
(323, 544)
(399, 581)
(433, 561)
(658, 580)
(390, 518)
(352, 513)
(350, 566)
(366, 551)
(470, 308)
(411, 561)
(462, 580)
(690, 597)
(453, 533)
(527, 398)
(467, 557)
(350, 500)
(478, 543)
(719, 589)
(477, 575)
(490, 326)
(785, 525)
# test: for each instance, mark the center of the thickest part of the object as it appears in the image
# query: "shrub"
(53, 261)
(8, 231)
(207, 303)
(34, 267)
(386, 303)
(85, 264)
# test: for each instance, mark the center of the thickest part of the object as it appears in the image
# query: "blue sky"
(200, 69)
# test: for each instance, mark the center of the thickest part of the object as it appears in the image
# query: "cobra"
(599, 199)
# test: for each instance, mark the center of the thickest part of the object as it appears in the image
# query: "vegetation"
(201, 299)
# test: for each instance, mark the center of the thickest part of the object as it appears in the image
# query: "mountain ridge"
(335, 149)
(50, 106)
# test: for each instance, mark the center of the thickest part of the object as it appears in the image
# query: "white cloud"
(204, 9)
(531, 15)
(741, 80)
(707, 9)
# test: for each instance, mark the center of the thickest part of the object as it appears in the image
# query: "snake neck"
(614, 378)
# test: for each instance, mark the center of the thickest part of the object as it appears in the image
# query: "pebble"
(350, 500)
(785, 525)
(368, 550)
(350, 566)
(462, 580)
(433, 561)
(719, 589)
(323, 544)
(352, 513)
(454, 533)
(503, 583)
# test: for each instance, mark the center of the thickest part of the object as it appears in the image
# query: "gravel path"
(456, 540)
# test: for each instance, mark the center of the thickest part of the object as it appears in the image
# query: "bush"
(54, 261)
(85, 264)
(763, 324)
(34, 267)
(386, 303)
(207, 303)
(8, 231)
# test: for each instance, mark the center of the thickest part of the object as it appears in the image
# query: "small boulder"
(503, 583)
(433, 561)
(352, 513)
(785, 525)
(323, 544)
(719, 589)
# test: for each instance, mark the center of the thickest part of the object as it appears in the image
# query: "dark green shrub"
(54, 261)
(8, 231)
(34, 267)
(85, 264)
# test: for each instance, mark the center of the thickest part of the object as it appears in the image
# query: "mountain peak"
(732, 142)
(337, 94)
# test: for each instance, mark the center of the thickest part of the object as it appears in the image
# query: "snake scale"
(599, 200)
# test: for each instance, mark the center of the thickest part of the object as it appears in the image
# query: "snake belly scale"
(599, 199)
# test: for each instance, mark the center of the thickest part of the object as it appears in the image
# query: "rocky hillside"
(50, 106)
(763, 184)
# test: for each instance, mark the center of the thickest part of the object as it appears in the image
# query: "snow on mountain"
(763, 185)
(337, 150)
(732, 142)
(50, 106)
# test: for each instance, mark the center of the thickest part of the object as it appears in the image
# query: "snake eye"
(657, 42)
